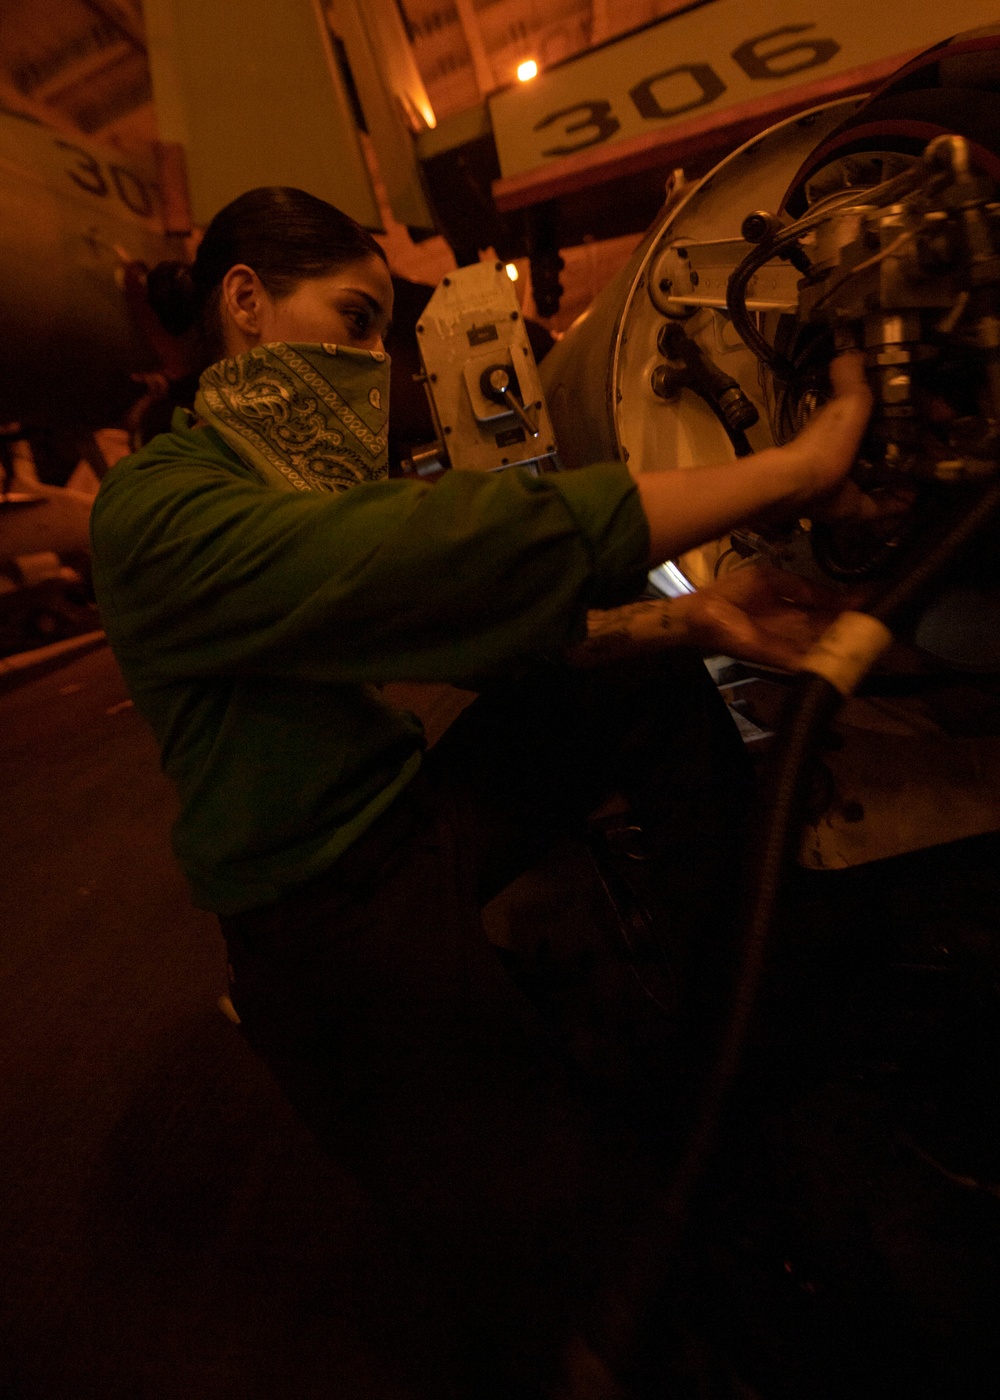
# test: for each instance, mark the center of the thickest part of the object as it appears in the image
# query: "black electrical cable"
(813, 704)
(736, 297)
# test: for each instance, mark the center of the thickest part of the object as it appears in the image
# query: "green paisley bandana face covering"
(305, 417)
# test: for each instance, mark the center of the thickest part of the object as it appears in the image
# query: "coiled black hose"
(812, 705)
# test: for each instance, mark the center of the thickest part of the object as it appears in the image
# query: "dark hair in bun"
(284, 234)
(171, 294)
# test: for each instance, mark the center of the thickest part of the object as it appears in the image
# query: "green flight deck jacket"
(254, 626)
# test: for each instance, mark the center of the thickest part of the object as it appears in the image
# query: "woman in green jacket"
(260, 578)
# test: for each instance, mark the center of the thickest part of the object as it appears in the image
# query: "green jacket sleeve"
(201, 572)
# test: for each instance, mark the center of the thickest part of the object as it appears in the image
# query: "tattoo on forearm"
(621, 619)
(620, 633)
(631, 611)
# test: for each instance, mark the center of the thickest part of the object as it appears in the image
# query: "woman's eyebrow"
(373, 302)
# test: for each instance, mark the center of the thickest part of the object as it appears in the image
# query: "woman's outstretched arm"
(756, 613)
(686, 508)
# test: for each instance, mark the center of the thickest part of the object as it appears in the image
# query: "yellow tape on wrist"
(848, 649)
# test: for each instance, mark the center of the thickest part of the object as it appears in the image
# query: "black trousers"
(397, 1032)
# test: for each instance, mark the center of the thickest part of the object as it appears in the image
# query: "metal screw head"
(755, 227)
(666, 382)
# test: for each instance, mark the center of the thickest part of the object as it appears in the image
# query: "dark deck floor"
(167, 1229)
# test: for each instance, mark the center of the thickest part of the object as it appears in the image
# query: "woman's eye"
(360, 321)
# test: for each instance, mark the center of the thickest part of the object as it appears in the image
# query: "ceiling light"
(527, 70)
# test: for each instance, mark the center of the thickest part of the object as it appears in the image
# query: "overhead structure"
(78, 66)
(695, 80)
(250, 89)
(393, 99)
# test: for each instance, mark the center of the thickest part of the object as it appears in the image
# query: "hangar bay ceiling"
(81, 65)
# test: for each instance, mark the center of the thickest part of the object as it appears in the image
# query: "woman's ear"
(242, 304)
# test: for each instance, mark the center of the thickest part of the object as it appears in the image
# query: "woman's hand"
(824, 451)
(760, 614)
(756, 613)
